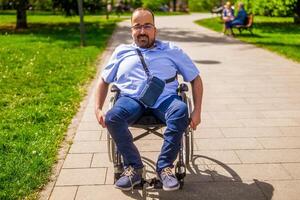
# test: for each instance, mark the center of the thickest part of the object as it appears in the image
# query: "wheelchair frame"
(150, 125)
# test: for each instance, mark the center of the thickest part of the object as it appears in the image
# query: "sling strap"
(147, 70)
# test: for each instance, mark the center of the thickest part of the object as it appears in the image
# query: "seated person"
(227, 16)
(125, 69)
(241, 18)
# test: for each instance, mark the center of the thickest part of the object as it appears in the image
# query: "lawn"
(277, 34)
(43, 78)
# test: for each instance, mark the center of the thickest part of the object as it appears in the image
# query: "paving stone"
(87, 135)
(221, 123)
(87, 176)
(237, 115)
(89, 126)
(223, 101)
(287, 106)
(209, 157)
(208, 133)
(63, 193)
(104, 135)
(101, 160)
(251, 107)
(109, 179)
(211, 108)
(282, 113)
(293, 169)
(269, 122)
(269, 156)
(252, 132)
(88, 117)
(246, 172)
(271, 100)
(89, 147)
(152, 145)
(280, 143)
(227, 144)
(282, 190)
(78, 161)
(290, 131)
(104, 192)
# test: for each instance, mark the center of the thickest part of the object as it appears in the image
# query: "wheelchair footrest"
(140, 186)
(155, 183)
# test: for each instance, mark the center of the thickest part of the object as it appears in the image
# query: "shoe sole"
(129, 188)
(171, 189)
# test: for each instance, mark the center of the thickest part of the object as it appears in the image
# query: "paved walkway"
(248, 146)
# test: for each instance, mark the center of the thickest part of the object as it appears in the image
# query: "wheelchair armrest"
(183, 88)
(114, 88)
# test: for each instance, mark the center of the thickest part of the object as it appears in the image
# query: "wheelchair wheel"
(110, 147)
(118, 164)
(191, 132)
(188, 146)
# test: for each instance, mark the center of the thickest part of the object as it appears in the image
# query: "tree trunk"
(297, 13)
(82, 29)
(174, 5)
(21, 14)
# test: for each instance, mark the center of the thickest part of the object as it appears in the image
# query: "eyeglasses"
(146, 27)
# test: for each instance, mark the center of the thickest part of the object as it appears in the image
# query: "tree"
(297, 13)
(21, 7)
(82, 29)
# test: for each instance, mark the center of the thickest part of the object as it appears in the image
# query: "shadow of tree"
(178, 35)
(207, 62)
(208, 184)
(64, 32)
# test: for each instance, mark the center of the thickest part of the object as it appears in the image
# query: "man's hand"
(100, 96)
(197, 90)
(100, 117)
(195, 119)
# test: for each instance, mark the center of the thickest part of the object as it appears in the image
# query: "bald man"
(164, 60)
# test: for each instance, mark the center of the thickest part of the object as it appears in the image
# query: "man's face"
(143, 30)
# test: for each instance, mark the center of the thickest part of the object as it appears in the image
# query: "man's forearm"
(101, 93)
(197, 90)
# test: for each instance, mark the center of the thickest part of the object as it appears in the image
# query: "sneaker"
(129, 178)
(168, 179)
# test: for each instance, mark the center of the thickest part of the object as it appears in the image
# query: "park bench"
(248, 26)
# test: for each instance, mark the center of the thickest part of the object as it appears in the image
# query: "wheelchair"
(151, 124)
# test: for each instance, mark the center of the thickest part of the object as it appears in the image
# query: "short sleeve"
(110, 70)
(184, 64)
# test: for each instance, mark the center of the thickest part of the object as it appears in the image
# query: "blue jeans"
(173, 112)
(235, 23)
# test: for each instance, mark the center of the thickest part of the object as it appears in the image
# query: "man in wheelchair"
(145, 73)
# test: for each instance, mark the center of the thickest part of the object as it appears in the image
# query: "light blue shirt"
(125, 69)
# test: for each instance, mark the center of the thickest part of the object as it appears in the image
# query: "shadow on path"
(207, 62)
(178, 35)
(208, 184)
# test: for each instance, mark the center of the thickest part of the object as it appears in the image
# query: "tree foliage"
(154, 5)
(204, 5)
(282, 8)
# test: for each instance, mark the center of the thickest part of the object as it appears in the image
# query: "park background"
(47, 63)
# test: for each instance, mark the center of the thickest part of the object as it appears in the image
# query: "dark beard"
(143, 41)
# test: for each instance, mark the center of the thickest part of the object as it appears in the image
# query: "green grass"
(43, 73)
(277, 34)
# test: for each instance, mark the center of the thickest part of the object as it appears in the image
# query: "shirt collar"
(157, 45)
